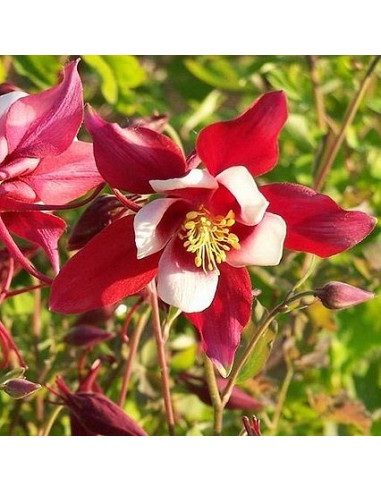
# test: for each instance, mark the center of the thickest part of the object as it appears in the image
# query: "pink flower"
(206, 227)
(42, 162)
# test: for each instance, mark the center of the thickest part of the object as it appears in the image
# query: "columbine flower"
(207, 226)
(338, 295)
(40, 161)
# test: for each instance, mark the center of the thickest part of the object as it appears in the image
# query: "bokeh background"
(323, 375)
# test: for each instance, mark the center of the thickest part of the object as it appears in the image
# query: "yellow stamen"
(208, 237)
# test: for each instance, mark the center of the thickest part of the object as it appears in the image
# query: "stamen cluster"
(209, 237)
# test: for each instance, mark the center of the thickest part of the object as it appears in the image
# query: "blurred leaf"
(42, 70)
(215, 71)
(118, 74)
(207, 108)
(260, 354)
(3, 72)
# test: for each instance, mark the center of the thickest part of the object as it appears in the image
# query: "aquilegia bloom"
(207, 225)
(41, 161)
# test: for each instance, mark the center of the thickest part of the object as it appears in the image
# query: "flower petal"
(250, 140)
(45, 124)
(315, 223)
(39, 228)
(195, 178)
(64, 178)
(262, 245)
(128, 158)
(242, 186)
(149, 236)
(6, 102)
(103, 272)
(181, 283)
(222, 323)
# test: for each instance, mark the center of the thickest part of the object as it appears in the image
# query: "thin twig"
(162, 358)
(348, 119)
(134, 343)
(215, 396)
(318, 95)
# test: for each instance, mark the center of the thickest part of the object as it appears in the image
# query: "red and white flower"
(42, 162)
(208, 224)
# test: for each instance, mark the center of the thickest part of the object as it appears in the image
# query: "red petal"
(64, 178)
(128, 158)
(221, 324)
(103, 272)
(39, 228)
(45, 124)
(251, 140)
(315, 223)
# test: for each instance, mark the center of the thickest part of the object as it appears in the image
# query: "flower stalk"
(162, 358)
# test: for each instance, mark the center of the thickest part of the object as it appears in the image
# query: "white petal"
(196, 178)
(148, 239)
(7, 100)
(264, 246)
(242, 186)
(189, 290)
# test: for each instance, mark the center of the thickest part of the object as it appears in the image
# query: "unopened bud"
(87, 336)
(98, 415)
(19, 388)
(252, 426)
(94, 219)
(338, 295)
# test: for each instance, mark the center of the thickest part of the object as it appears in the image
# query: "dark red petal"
(64, 178)
(45, 124)
(222, 323)
(39, 228)
(315, 223)
(128, 158)
(103, 272)
(251, 140)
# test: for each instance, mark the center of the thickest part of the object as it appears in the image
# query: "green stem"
(348, 119)
(215, 396)
(282, 398)
(51, 420)
(252, 343)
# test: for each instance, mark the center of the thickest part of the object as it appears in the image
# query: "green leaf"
(260, 354)
(118, 74)
(42, 70)
(3, 72)
(217, 72)
(207, 107)
(109, 86)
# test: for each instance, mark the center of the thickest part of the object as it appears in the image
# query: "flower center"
(208, 237)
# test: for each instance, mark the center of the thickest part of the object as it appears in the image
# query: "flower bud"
(253, 426)
(95, 316)
(87, 336)
(337, 295)
(239, 400)
(19, 388)
(94, 219)
(95, 414)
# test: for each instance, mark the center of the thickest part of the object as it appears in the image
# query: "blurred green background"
(332, 360)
